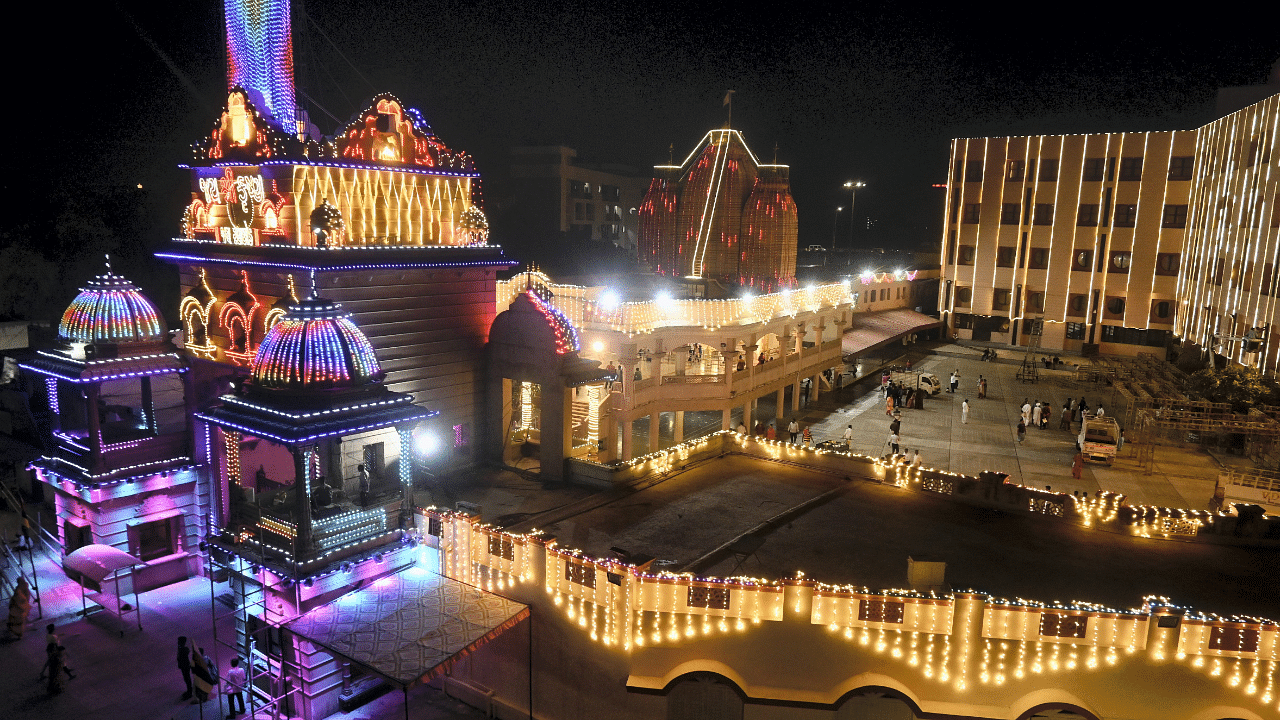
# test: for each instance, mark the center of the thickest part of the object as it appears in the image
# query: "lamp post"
(835, 224)
(853, 186)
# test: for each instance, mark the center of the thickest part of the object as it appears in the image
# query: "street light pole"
(835, 224)
(853, 186)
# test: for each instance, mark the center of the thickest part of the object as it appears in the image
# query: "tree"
(1240, 386)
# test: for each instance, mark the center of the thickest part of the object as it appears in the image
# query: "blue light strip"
(298, 266)
(416, 170)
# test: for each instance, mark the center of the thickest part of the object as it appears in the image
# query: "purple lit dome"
(111, 310)
(315, 346)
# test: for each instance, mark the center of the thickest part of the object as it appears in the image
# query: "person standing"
(915, 461)
(235, 688)
(184, 664)
(1120, 441)
(57, 664)
(1099, 413)
(893, 442)
(51, 645)
(364, 484)
(793, 429)
(954, 381)
(742, 428)
(896, 425)
(1022, 431)
(1064, 423)
(1026, 411)
(19, 608)
(771, 433)
(202, 679)
(1045, 412)
(848, 436)
(1077, 465)
(808, 437)
(888, 404)
(964, 412)
(984, 388)
(1035, 415)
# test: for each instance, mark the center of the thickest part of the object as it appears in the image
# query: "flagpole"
(728, 100)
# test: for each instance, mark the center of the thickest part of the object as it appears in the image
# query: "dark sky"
(118, 93)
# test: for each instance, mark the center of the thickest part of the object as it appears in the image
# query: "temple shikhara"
(347, 329)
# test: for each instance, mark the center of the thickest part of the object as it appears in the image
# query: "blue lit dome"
(111, 310)
(315, 346)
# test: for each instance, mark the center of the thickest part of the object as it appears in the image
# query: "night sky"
(859, 92)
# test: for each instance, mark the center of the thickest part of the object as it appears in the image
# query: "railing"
(691, 379)
(1267, 480)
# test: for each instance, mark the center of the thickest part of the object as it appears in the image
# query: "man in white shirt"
(235, 688)
(1099, 413)
(848, 435)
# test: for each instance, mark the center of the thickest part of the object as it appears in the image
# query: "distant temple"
(721, 215)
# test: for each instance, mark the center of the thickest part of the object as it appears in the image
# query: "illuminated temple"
(722, 215)
(344, 336)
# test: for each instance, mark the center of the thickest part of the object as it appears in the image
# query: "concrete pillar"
(653, 431)
(795, 395)
(966, 639)
(813, 387)
(726, 419)
(777, 407)
(679, 426)
(682, 360)
(556, 441)
(625, 422)
(748, 414)
(1162, 642)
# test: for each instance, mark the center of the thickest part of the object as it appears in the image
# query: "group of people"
(200, 674)
(1039, 414)
(896, 396)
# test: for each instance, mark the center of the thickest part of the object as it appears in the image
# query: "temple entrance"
(522, 416)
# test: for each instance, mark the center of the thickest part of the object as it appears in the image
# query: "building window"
(1120, 261)
(1167, 263)
(1180, 167)
(1126, 215)
(1115, 306)
(1175, 216)
(1044, 214)
(973, 171)
(971, 213)
(1005, 256)
(1000, 299)
(966, 255)
(1082, 260)
(591, 212)
(152, 540)
(1009, 214)
(612, 213)
(1093, 169)
(610, 193)
(1077, 305)
(1039, 258)
(1075, 331)
(1035, 302)
(1265, 287)
(579, 189)
(1049, 170)
(1014, 170)
(1087, 216)
(1217, 272)
(964, 296)
(1161, 309)
(716, 598)
(1130, 168)
(374, 456)
(963, 321)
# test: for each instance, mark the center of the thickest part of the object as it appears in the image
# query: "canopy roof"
(870, 331)
(98, 561)
(411, 626)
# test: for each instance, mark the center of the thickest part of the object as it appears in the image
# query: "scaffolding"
(1191, 421)
(1030, 371)
(273, 676)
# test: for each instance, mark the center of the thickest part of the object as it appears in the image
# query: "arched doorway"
(875, 703)
(704, 696)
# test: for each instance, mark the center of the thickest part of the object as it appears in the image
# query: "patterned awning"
(411, 626)
(870, 331)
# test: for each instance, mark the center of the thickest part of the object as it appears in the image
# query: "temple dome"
(111, 310)
(315, 346)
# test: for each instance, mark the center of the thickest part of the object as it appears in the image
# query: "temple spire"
(260, 56)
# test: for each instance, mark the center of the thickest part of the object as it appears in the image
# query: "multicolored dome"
(315, 345)
(111, 310)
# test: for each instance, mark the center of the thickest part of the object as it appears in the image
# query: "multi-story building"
(1119, 242)
(721, 215)
(556, 195)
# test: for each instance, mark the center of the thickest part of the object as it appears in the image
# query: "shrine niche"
(195, 310)
(237, 321)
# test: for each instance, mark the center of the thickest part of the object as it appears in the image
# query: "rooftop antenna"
(728, 100)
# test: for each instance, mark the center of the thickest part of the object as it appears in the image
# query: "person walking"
(807, 436)
(964, 412)
(955, 380)
(1077, 465)
(57, 663)
(1064, 423)
(793, 430)
(235, 688)
(1022, 431)
(771, 433)
(848, 436)
(184, 665)
(1035, 415)
(893, 443)
(888, 404)
(51, 644)
(202, 678)
(1026, 411)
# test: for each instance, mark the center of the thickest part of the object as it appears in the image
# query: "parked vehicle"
(1098, 439)
(927, 381)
